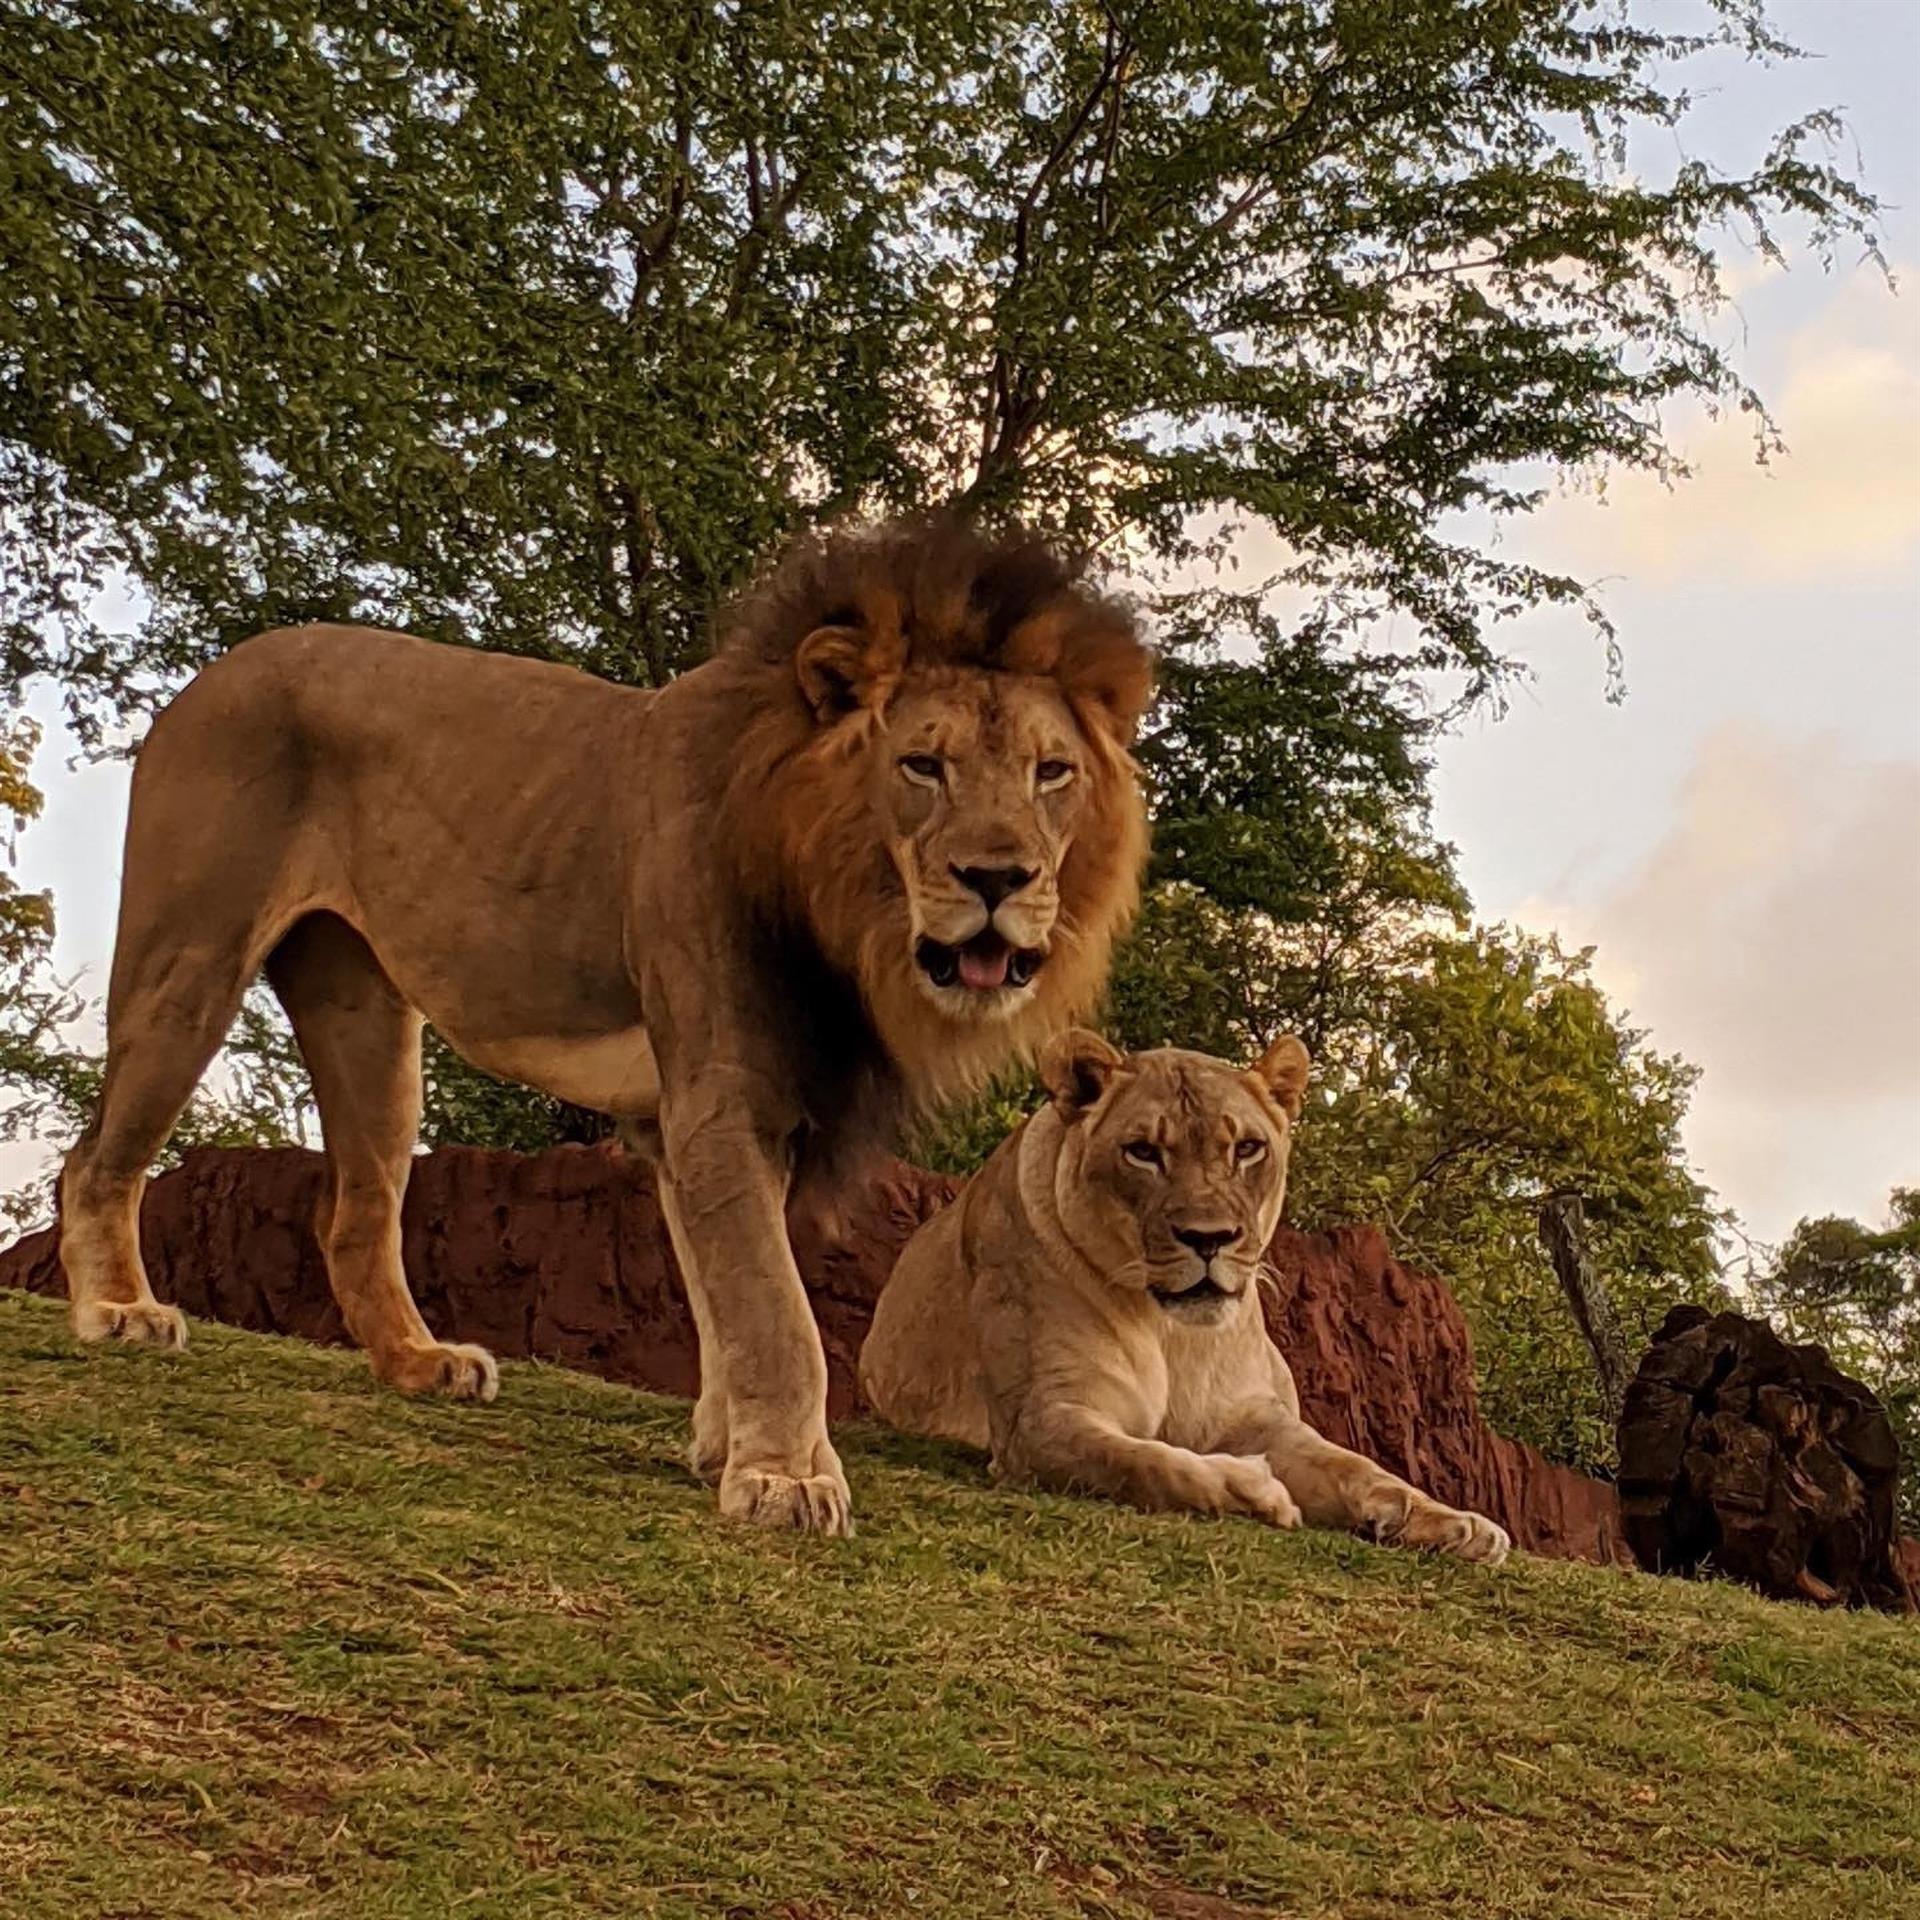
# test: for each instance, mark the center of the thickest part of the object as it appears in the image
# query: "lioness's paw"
(138, 1323)
(456, 1372)
(1253, 1488)
(813, 1503)
(1466, 1536)
(1485, 1541)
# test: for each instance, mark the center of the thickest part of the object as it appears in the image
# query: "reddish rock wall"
(563, 1256)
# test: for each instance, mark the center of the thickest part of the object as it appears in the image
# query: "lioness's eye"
(1248, 1151)
(924, 767)
(1052, 773)
(1143, 1153)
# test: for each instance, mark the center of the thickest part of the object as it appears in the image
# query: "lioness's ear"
(1282, 1070)
(841, 669)
(1075, 1067)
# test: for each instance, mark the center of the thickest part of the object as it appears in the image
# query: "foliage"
(1490, 1073)
(532, 326)
(1855, 1290)
(336, 1651)
(466, 1107)
(41, 1080)
(536, 324)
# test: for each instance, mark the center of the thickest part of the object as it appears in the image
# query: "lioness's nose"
(993, 884)
(1206, 1241)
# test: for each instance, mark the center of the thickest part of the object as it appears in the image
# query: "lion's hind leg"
(361, 1042)
(1336, 1487)
(168, 1011)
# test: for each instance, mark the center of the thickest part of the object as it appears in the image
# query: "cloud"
(1772, 936)
(1845, 496)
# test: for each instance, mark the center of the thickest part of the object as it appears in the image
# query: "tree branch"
(1016, 395)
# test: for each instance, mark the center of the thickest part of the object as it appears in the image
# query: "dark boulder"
(1743, 1456)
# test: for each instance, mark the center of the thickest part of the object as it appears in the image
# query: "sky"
(1739, 837)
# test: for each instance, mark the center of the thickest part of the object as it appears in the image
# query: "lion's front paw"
(456, 1372)
(1252, 1488)
(137, 1323)
(810, 1503)
(707, 1445)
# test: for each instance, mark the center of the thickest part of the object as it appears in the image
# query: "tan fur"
(705, 910)
(1054, 1315)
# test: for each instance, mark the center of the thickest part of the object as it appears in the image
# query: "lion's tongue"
(982, 971)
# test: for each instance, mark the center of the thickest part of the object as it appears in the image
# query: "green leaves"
(536, 326)
(539, 326)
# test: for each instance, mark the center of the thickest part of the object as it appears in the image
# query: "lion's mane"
(926, 595)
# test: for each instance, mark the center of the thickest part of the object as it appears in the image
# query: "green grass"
(275, 1642)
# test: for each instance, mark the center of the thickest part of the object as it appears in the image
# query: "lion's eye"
(1050, 774)
(1143, 1153)
(1248, 1151)
(924, 767)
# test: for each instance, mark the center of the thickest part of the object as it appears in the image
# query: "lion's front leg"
(762, 1418)
(1336, 1487)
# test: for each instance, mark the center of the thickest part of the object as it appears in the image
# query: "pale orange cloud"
(1843, 497)
(1773, 936)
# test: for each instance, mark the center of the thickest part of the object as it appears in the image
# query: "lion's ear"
(1109, 670)
(1123, 690)
(1075, 1067)
(1283, 1070)
(841, 669)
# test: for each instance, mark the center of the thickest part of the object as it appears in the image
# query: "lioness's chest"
(1210, 1372)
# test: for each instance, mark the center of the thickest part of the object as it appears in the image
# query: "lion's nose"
(993, 884)
(1206, 1241)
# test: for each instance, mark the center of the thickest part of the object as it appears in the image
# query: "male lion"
(880, 842)
(1089, 1308)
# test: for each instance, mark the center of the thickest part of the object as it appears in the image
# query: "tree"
(532, 327)
(1855, 1290)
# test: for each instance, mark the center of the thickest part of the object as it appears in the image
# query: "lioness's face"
(980, 781)
(1176, 1165)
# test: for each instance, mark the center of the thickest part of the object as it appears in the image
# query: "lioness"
(1088, 1307)
(880, 842)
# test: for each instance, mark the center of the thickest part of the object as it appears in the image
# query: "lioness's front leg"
(1336, 1487)
(723, 1181)
(1077, 1449)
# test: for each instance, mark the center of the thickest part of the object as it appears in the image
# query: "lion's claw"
(1450, 1530)
(135, 1323)
(813, 1503)
(454, 1371)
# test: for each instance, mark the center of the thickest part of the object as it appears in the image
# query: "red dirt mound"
(563, 1256)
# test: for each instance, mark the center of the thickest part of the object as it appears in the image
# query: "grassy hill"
(274, 1642)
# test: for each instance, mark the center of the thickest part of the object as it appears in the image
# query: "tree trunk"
(1563, 1232)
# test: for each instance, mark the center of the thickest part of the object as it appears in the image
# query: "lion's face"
(980, 782)
(935, 777)
(1175, 1165)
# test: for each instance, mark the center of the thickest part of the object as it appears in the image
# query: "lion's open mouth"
(1203, 1292)
(981, 965)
